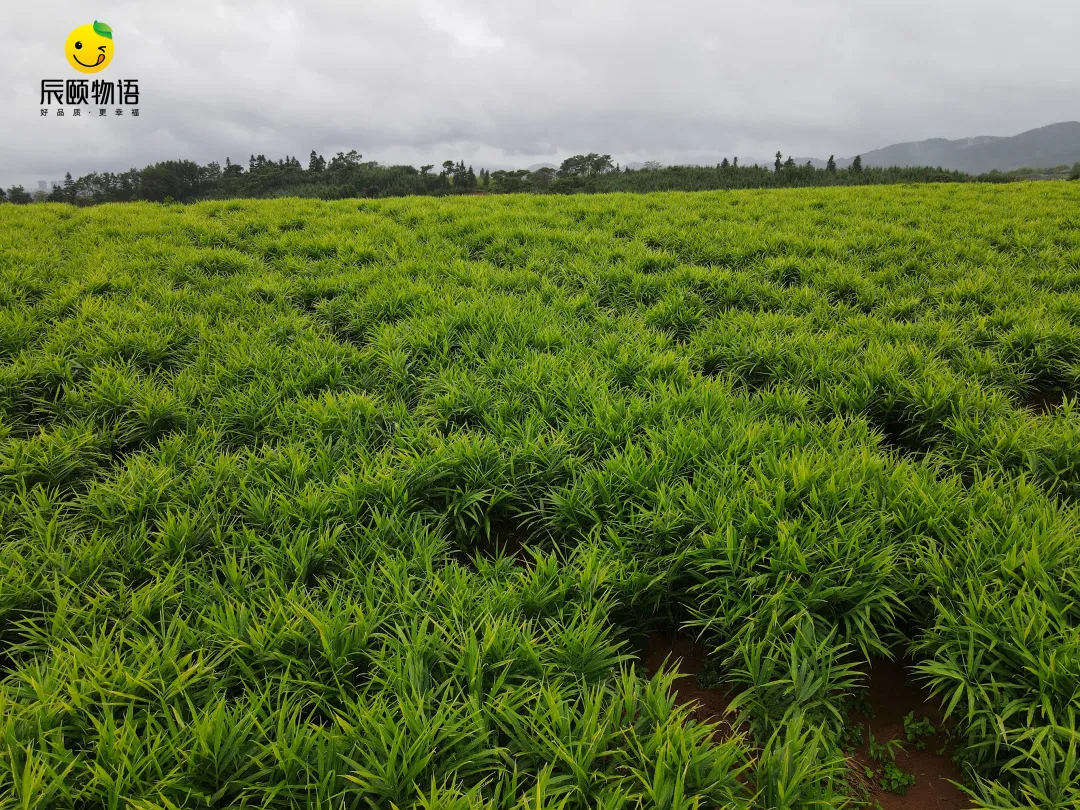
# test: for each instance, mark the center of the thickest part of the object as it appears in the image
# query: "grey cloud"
(516, 82)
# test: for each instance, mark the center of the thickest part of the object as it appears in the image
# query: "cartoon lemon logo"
(89, 48)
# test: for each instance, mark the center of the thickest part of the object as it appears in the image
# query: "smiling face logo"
(89, 48)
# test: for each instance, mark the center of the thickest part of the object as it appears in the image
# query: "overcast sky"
(504, 83)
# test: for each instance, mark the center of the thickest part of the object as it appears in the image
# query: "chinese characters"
(79, 93)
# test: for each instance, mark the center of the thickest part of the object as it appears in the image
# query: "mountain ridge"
(1041, 148)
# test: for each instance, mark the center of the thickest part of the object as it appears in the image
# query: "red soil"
(688, 657)
(507, 540)
(892, 699)
(1043, 402)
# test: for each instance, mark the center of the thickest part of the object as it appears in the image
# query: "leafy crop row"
(261, 463)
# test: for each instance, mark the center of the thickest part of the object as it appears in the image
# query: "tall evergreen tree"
(831, 165)
(856, 164)
(779, 161)
(461, 175)
(232, 169)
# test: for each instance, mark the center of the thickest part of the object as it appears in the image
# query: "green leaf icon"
(102, 29)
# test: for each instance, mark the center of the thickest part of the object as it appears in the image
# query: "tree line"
(347, 174)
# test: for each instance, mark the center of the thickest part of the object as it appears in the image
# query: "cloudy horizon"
(511, 84)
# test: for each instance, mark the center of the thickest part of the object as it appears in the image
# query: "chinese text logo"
(89, 49)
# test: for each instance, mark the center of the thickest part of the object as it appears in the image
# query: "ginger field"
(374, 504)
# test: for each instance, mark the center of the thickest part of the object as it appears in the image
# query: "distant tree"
(600, 164)
(459, 175)
(652, 166)
(3, 196)
(19, 196)
(187, 181)
(831, 165)
(171, 179)
(511, 182)
(856, 164)
(779, 161)
(251, 163)
(313, 162)
(57, 194)
(735, 163)
(586, 165)
(542, 177)
(427, 167)
(572, 167)
(343, 161)
(232, 169)
(1075, 173)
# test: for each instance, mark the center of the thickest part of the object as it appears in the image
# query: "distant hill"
(1043, 148)
(1046, 147)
